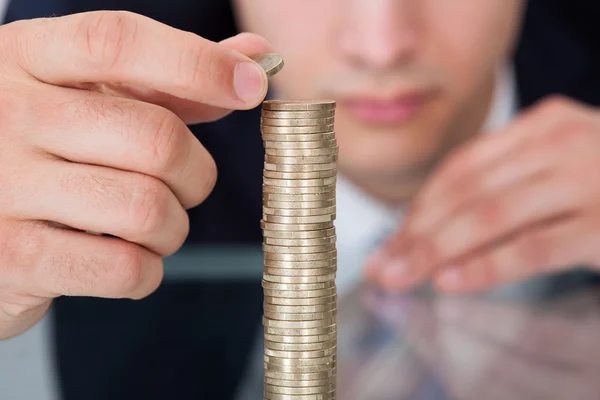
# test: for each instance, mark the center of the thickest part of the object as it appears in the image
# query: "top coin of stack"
(299, 243)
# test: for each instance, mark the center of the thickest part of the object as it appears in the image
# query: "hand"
(505, 207)
(93, 137)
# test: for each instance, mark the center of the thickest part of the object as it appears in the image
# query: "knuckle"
(128, 273)
(197, 65)
(148, 203)
(165, 141)
(533, 251)
(107, 37)
(209, 180)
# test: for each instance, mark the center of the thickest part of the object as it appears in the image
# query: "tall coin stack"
(299, 243)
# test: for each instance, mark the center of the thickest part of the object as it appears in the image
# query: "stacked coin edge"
(299, 243)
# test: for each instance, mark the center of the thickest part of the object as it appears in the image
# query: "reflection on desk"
(427, 347)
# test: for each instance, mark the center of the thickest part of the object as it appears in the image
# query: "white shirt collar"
(363, 222)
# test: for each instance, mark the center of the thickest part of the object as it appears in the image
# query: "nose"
(378, 33)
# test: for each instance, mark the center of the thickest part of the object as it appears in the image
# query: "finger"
(91, 128)
(122, 47)
(490, 220)
(544, 248)
(131, 206)
(50, 262)
(189, 111)
(544, 118)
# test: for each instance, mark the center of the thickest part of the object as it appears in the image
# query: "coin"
(301, 376)
(301, 257)
(320, 323)
(298, 279)
(299, 197)
(321, 396)
(297, 114)
(294, 382)
(301, 242)
(325, 338)
(300, 309)
(300, 301)
(306, 317)
(296, 227)
(299, 369)
(271, 63)
(299, 212)
(297, 286)
(299, 175)
(319, 122)
(273, 248)
(305, 145)
(300, 354)
(332, 166)
(301, 265)
(298, 105)
(299, 234)
(324, 151)
(297, 294)
(299, 331)
(310, 219)
(300, 346)
(313, 137)
(271, 274)
(299, 190)
(301, 160)
(299, 361)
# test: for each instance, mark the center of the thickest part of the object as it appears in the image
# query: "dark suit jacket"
(168, 346)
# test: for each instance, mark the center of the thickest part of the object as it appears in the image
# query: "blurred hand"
(505, 207)
(93, 137)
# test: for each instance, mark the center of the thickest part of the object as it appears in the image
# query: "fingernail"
(249, 81)
(450, 279)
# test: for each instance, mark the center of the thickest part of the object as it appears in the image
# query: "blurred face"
(412, 78)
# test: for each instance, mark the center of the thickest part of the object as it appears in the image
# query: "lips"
(378, 111)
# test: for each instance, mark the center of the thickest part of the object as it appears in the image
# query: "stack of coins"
(300, 330)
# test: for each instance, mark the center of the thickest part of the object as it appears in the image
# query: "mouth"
(393, 108)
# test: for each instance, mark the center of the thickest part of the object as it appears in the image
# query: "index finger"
(122, 47)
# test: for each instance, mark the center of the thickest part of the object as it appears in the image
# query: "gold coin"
(299, 294)
(325, 338)
(299, 279)
(299, 331)
(301, 257)
(320, 122)
(301, 265)
(321, 396)
(299, 234)
(300, 167)
(310, 219)
(300, 361)
(299, 190)
(300, 160)
(271, 63)
(325, 324)
(299, 197)
(298, 205)
(273, 273)
(299, 227)
(297, 286)
(312, 137)
(299, 346)
(299, 175)
(327, 380)
(300, 301)
(300, 182)
(300, 369)
(326, 151)
(300, 242)
(300, 309)
(269, 248)
(300, 354)
(297, 114)
(300, 317)
(298, 212)
(308, 376)
(298, 105)
(324, 144)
